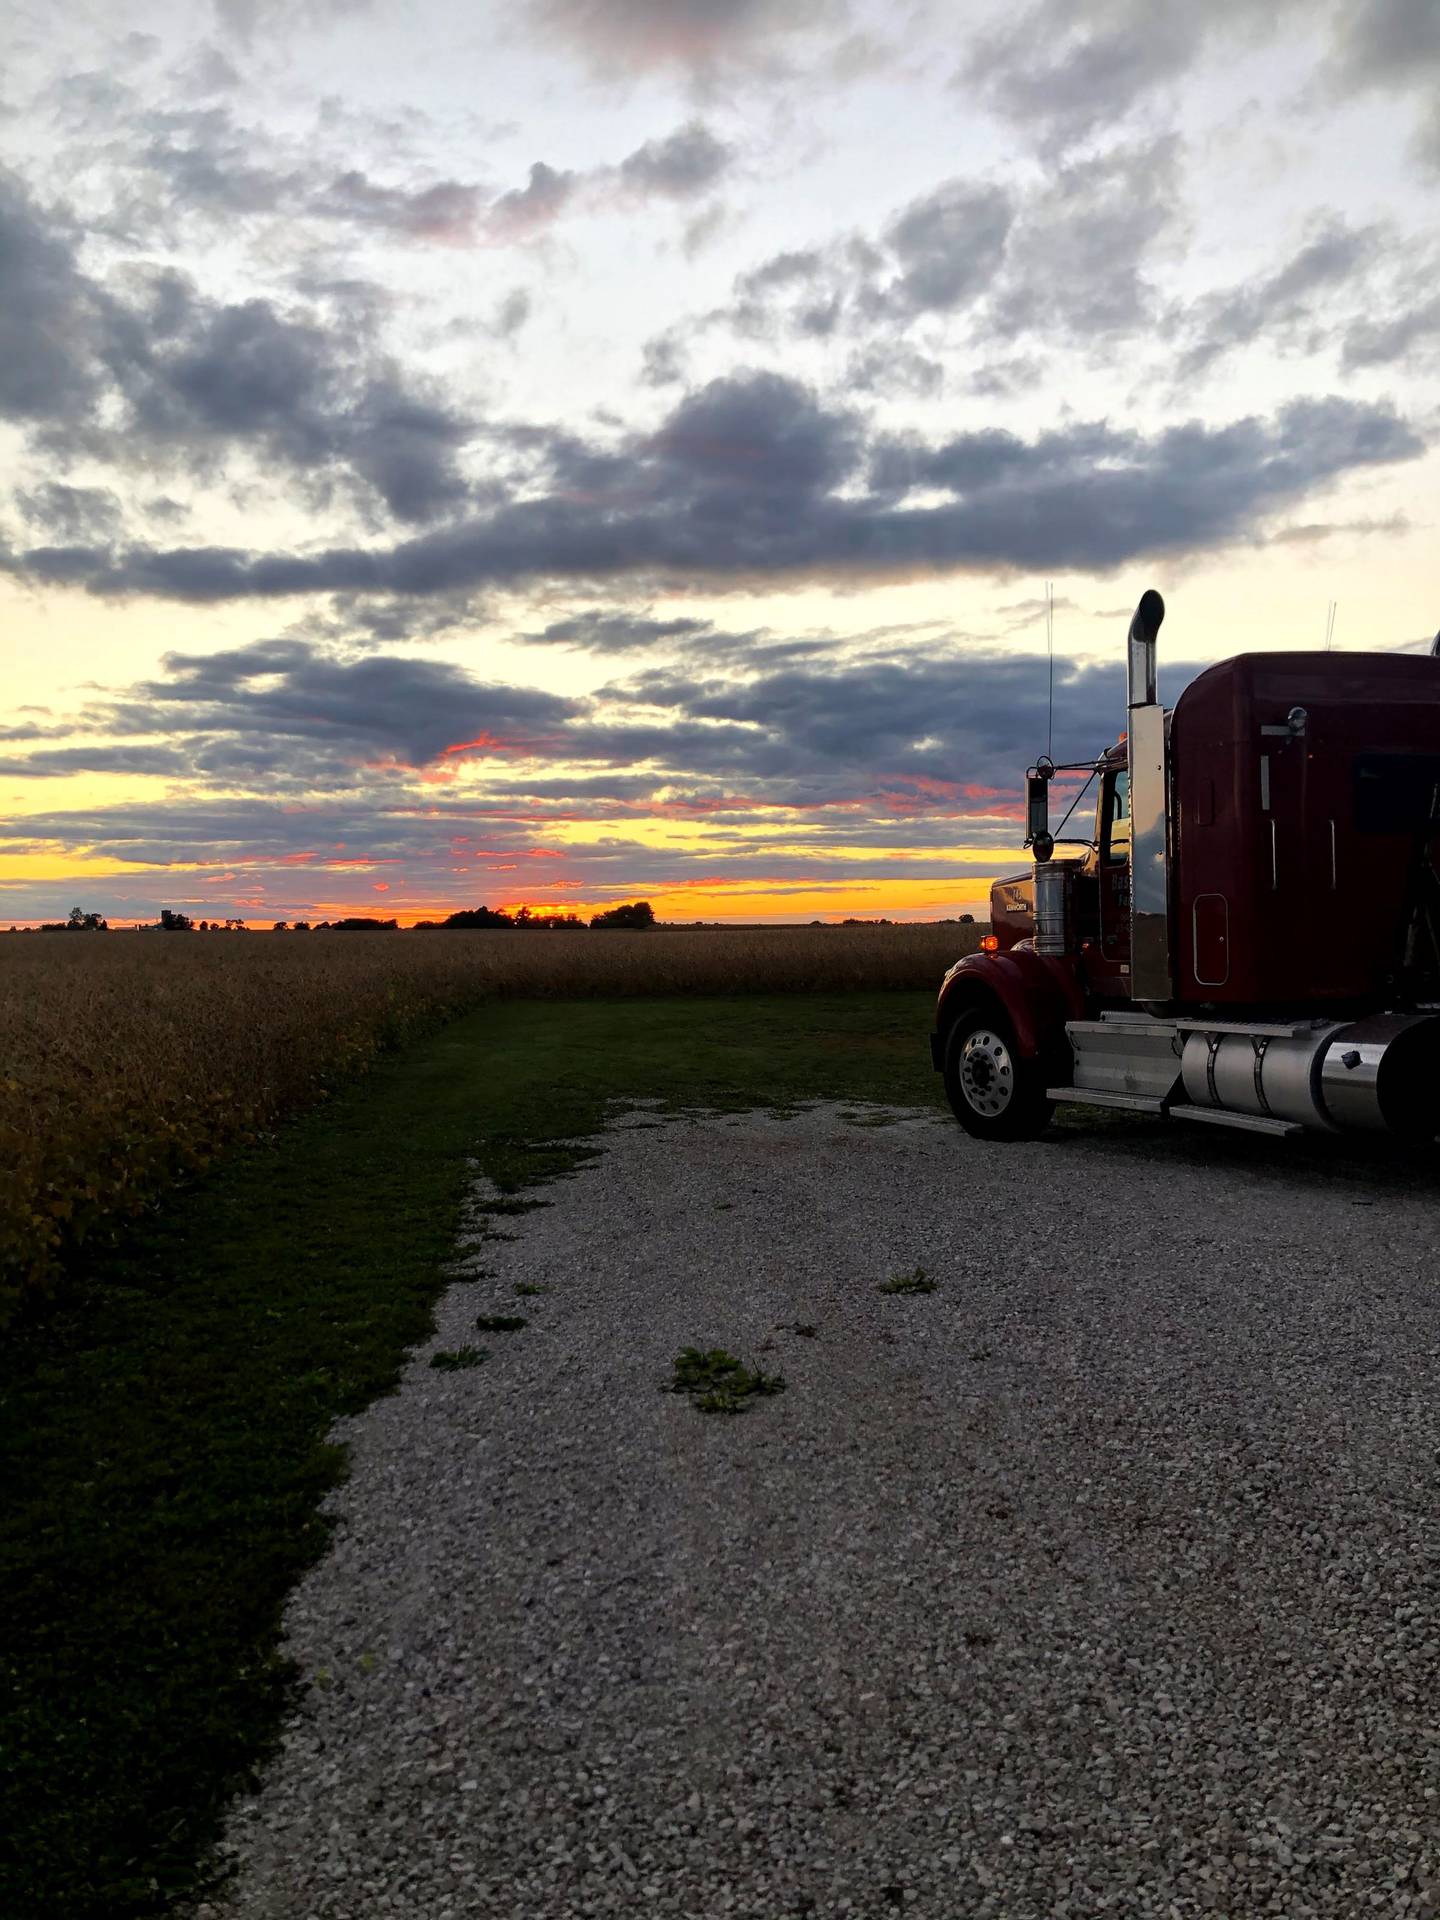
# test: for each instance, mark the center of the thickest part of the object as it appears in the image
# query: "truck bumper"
(937, 1053)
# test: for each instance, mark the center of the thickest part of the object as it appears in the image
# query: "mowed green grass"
(162, 1434)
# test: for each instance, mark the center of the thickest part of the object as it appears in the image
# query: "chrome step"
(1246, 1122)
(1095, 1097)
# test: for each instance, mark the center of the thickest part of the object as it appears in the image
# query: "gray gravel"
(1103, 1579)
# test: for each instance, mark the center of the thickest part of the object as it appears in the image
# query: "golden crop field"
(130, 1059)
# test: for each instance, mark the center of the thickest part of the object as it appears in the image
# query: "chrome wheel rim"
(987, 1072)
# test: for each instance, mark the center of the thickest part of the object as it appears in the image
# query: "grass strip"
(163, 1433)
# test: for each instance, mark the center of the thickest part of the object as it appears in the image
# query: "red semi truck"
(1250, 938)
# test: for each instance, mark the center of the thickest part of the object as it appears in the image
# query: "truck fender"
(1036, 994)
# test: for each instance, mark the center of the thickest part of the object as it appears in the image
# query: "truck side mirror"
(1037, 810)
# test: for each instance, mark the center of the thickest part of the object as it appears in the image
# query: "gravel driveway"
(1102, 1579)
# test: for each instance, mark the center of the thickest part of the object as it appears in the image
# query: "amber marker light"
(989, 943)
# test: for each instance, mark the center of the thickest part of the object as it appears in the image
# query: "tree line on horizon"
(635, 914)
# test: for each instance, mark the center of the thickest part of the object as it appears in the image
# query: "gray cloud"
(662, 361)
(524, 210)
(206, 379)
(202, 158)
(512, 314)
(938, 255)
(207, 162)
(165, 377)
(51, 318)
(687, 162)
(927, 715)
(599, 632)
(72, 514)
(244, 20)
(1394, 44)
(679, 166)
(57, 761)
(1075, 264)
(752, 477)
(697, 34)
(753, 436)
(1389, 41)
(1064, 260)
(445, 211)
(204, 161)
(1295, 299)
(1378, 342)
(947, 246)
(287, 690)
(208, 71)
(894, 369)
(1061, 73)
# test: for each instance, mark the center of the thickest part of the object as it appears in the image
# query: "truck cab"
(1251, 936)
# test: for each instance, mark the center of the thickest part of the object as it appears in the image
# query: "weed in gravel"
(802, 1327)
(501, 1322)
(719, 1383)
(511, 1205)
(456, 1359)
(917, 1282)
(525, 1288)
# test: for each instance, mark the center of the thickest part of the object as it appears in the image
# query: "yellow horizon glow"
(937, 897)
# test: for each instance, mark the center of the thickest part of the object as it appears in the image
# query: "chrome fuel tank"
(1380, 1074)
(1274, 1076)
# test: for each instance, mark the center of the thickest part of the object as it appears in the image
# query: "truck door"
(1290, 899)
(1111, 966)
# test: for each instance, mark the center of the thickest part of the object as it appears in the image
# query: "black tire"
(994, 1092)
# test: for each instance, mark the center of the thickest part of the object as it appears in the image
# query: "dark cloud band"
(753, 478)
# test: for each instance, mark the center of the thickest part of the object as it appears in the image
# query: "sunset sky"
(576, 450)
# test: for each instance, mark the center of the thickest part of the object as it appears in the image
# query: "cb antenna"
(1050, 655)
(1330, 624)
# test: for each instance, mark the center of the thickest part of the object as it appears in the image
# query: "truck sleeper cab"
(1252, 936)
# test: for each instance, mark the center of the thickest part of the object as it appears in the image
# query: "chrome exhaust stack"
(1150, 972)
(1140, 679)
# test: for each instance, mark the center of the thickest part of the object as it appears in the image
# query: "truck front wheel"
(995, 1092)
